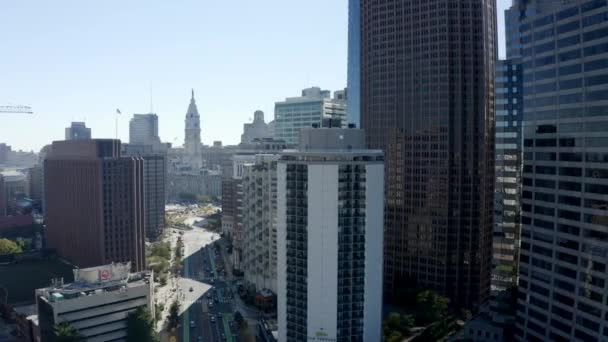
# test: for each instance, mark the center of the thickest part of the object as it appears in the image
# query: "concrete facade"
(330, 206)
(259, 231)
(97, 309)
(258, 129)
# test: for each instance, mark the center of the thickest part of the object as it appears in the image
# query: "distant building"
(258, 129)
(36, 182)
(259, 219)
(77, 131)
(201, 183)
(15, 188)
(229, 205)
(330, 202)
(4, 151)
(97, 303)
(95, 203)
(354, 63)
(155, 180)
(2, 197)
(192, 143)
(143, 129)
(311, 108)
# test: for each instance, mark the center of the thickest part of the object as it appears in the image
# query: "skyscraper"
(77, 131)
(95, 203)
(427, 100)
(329, 237)
(353, 108)
(312, 107)
(155, 184)
(192, 142)
(143, 129)
(562, 283)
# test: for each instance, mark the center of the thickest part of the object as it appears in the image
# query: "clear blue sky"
(75, 60)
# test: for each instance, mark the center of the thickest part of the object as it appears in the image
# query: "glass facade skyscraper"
(564, 249)
(427, 100)
(507, 189)
(354, 65)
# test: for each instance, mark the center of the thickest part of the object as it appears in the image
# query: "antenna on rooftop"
(151, 103)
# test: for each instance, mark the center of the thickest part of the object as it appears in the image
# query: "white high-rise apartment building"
(259, 220)
(330, 205)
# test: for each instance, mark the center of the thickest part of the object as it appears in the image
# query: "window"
(568, 229)
(571, 26)
(544, 156)
(539, 35)
(570, 186)
(569, 215)
(545, 170)
(542, 61)
(596, 80)
(571, 127)
(545, 88)
(569, 55)
(595, 19)
(596, 141)
(591, 5)
(595, 49)
(569, 200)
(543, 21)
(545, 142)
(570, 84)
(568, 41)
(570, 69)
(571, 98)
(596, 189)
(596, 173)
(595, 34)
(567, 13)
(595, 65)
(542, 48)
(544, 183)
(545, 74)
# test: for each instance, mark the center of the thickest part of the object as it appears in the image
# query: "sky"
(74, 60)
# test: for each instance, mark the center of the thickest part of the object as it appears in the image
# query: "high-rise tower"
(192, 143)
(427, 100)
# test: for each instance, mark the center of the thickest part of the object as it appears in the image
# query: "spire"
(192, 93)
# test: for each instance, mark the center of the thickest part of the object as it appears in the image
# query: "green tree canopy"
(174, 314)
(9, 247)
(430, 307)
(65, 332)
(140, 326)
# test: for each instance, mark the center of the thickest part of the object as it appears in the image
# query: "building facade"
(97, 303)
(507, 193)
(564, 248)
(77, 131)
(143, 129)
(155, 184)
(95, 207)
(330, 238)
(258, 129)
(311, 108)
(353, 115)
(192, 143)
(427, 101)
(259, 219)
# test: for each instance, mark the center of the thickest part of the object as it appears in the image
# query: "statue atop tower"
(192, 143)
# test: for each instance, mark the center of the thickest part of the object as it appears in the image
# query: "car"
(191, 289)
(199, 338)
(212, 319)
(191, 324)
(210, 303)
(223, 336)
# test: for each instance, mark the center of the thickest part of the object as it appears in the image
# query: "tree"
(65, 332)
(397, 326)
(8, 247)
(174, 314)
(140, 326)
(431, 307)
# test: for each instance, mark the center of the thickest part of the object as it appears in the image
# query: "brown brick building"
(427, 100)
(95, 203)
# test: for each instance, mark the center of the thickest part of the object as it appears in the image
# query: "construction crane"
(16, 109)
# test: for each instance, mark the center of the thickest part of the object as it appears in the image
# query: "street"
(208, 314)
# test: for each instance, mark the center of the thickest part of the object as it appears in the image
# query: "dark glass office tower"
(564, 221)
(427, 100)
